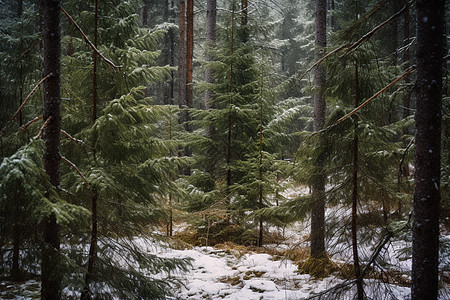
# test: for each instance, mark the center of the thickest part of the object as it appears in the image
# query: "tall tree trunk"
(429, 55)
(318, 186)
(189, 52)
(15, 271)
(51, 281)
(260, 176)
(182, 58)
(211, 13)
(229, 113)
(244, 21)
(172, 56)
(359, 283)
(94, 194)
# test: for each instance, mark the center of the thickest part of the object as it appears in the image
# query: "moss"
(318, 267)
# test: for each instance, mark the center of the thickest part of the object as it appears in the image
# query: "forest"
(224, 149)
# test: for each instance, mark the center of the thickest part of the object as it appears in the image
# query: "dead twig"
(29, 123)
(78, 171)
(89, 42)
(42, 128)
(374, 96)
(24, 102)
(76, 141)
(368, 35)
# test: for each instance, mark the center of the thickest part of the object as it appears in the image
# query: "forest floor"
(230, 271)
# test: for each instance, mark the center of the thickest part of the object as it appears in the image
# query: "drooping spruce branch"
(89, 42)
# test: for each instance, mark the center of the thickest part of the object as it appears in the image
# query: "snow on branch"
(89, 42)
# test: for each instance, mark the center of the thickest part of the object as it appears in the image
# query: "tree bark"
(429, 91)
(94, 194)
(189, 52)
(359, 283)
(211, 14)
(182, 58)
(318, 185)
(51, 232)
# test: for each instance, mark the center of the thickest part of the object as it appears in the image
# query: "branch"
(89, 42)
(322, 59)
(76, 141)
(374, 96)
(368, 35)
(29, 123)
(25, 102)
(78, 171)
(400, 167)
(42, 128)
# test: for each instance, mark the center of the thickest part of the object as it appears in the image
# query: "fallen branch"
(89, 42)
(78, 171)
(29, 123)
(42, 128)
(76, 141)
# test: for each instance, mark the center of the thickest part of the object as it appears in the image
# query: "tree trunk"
(211, 13)
(182, 58)
(229, 113)
(429, 55)
(244, 21)
(51, 232)
(189, 52)
(94, 194)
(318, 186)
(260, 176)
(172, 57)
(359, 283)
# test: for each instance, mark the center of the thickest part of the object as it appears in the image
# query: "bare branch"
(25, 102)
(78, 171)
(29, 123)
(76, 141)
(89, 42)
(374, 96)
(368, 35)
(42, 128)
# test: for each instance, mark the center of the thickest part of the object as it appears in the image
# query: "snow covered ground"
(228, 274)
(232, 274)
